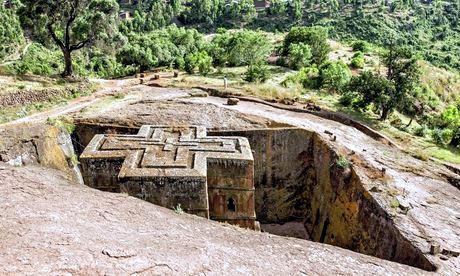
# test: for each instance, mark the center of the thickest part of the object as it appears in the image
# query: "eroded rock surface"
(416, 195)
(412, 192)
(49, 226)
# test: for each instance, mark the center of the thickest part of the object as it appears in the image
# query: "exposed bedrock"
(297, 178)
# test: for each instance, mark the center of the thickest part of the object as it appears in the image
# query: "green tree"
(70, 24)
(299, 55)
(315, 37)
(297, 10)
(205, 11)
(334, 75)
(162, 47)
(242, 11)
(11, 34)
(201, 60)
(374, 88)
(241, 48)
(257, 72)
(134, 54)
(277, 8)
(393, 91)
(402, 69)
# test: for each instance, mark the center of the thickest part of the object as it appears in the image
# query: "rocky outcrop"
(298, 175)
(50, 226)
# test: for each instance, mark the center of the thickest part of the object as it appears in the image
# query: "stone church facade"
(212, 177)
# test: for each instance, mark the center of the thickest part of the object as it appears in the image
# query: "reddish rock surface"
(49, 226)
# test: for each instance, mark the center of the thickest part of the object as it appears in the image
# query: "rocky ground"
(50, 226)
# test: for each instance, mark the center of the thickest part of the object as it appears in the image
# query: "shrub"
(63, 122)
(357, 63)
(299, 55)
(258, 72)
(201, 60)
(178, 209)
(189, 64)
(136, 55)
(307, 76)
(342, 162)
(437, 137)
(450, 116)
(358, 60)
(361, 45)
(38, 60)
(455, 140)
(447, 135)
(347, 99)
(315, 37)
(422, 130)
(11, 33)
(162, 47)
(334, 75)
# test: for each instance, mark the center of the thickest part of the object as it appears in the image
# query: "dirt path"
(109, 87)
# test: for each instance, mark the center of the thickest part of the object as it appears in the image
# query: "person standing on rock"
(225, 82)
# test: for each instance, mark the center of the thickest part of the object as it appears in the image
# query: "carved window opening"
(231, 205)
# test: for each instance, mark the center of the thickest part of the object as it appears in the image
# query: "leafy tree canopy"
(70, 24)
(315, 37)
(10, 31)
(167, 46)
(240, 48)
(394, 90)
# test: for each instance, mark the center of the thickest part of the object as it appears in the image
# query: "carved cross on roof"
(166, 151)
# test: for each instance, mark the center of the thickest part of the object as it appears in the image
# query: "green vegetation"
(200, 60)
(37, 60)
(64, 122)
(342, 162)
(389, 92)
(11, 35)
(257, 72)
(71, 25)
(412, 88)
(178, 209)
(358, 60)
(361, 46)
(299, 55)
(314, 37)
(334, 75)
(240, 48)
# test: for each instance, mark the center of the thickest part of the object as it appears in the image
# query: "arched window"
(231, 205)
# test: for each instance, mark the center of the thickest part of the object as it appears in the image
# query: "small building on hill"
(127, 2)
(261, 4)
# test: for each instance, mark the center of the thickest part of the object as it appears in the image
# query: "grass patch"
(268, 91)
(178, 209)
(342, 162)
(64, 122)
